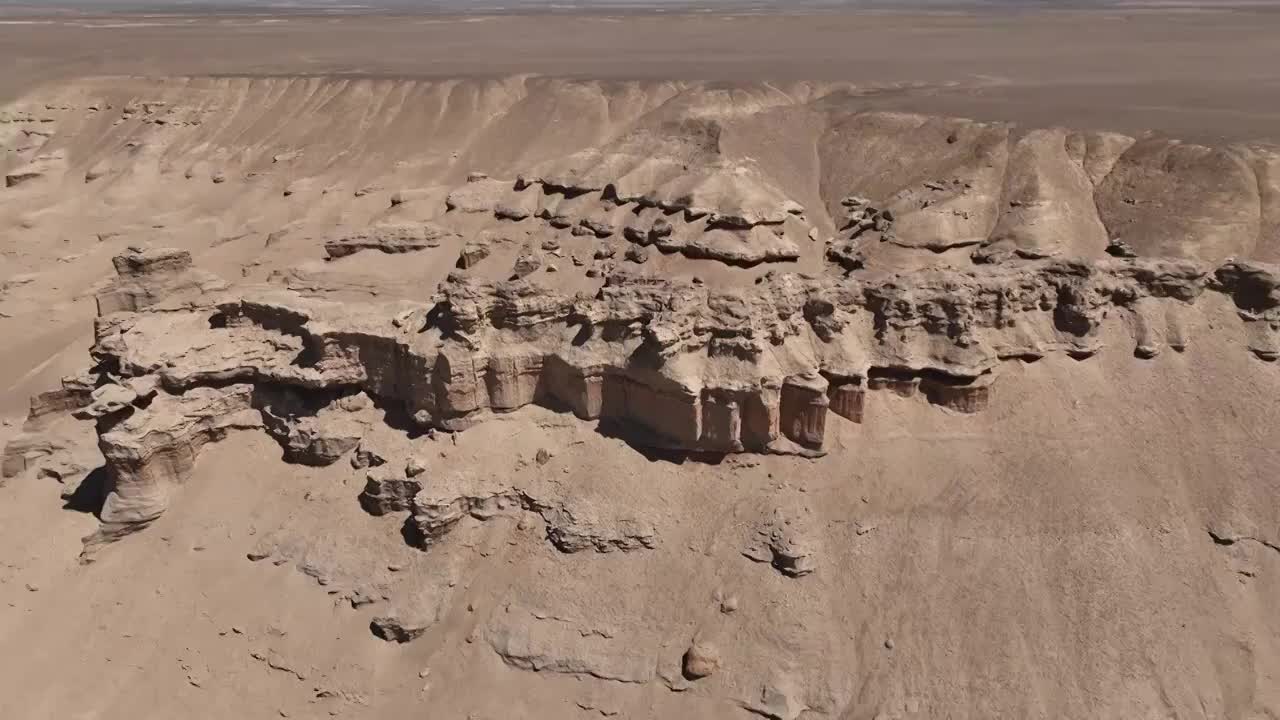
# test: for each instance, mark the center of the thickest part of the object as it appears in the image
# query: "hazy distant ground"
(1200, 72)
(562, 6)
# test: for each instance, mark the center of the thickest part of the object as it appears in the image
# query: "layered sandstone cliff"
(669, 364)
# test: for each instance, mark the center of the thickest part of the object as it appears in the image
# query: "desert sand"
(576, 365)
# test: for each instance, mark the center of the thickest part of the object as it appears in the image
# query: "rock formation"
(149, 451)
(680, 406)
(390, 238)
(144, 276)
(534, 640)
(672, 364)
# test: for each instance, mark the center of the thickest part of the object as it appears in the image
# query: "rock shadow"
(652, 447)
(90, 494)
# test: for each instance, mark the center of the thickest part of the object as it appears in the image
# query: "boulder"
(385, 492)
(472, 253)
(526, 264)
(700, 660)
(399, 628)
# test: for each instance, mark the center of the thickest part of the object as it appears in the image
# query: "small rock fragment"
(699, 661)
(510, 212)
(783, 541)
(525, 265)
(363, 457)
(599, 228)
(1119, 248)
(472, 253)
(638, 254)
(393, 628)
(384, 493)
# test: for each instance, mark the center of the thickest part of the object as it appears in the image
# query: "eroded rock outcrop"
(390, 238)
(542, 642)
(400, 627)
(1255, 289)
(150, 451)
(74, 392)
(387, 491)
(941, 177)
(572, 525)
(784, 541)
(144, 276)
(49, 455)
(676, 192)
(311, 429)
(669, 363)
(41, 167)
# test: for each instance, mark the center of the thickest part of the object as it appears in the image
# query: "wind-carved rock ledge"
(674, 192)
(668, 363)
(390, 238)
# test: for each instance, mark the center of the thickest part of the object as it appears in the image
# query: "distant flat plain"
(1204, 74)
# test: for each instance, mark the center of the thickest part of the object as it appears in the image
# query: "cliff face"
(671, 364)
